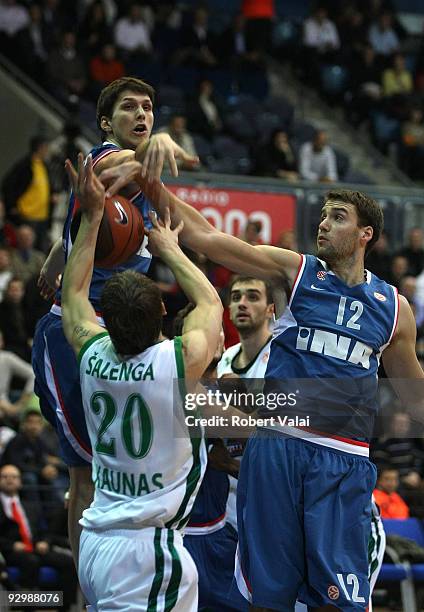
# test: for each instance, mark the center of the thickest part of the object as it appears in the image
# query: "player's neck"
(251, 344)
(351, 271)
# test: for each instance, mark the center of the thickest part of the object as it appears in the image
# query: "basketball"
(121, 232)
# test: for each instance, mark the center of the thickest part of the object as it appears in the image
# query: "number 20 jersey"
(326, 351)
(146, 469)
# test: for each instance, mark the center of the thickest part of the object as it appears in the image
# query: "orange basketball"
(121, 232)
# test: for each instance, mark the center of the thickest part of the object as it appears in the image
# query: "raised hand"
(162, 149)
(161, 236)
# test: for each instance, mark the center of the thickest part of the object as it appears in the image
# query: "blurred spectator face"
(252, 231)
(97, 12)
(206, 88)
(14, 291)
(135, 13)
(320, 140)
(25, 237)
(321, 14)
(399, 266)
(68, 40)
(416, 115)
(385, 21)
(401, 424)
(108, 52)
(10, 480)
(389, 481)
(381, 245)
(4, 260)
(369, 55)
(416, 239)
(32, 425)
(408, 287)
(178, 125)
(35, 13)
(280, 139)
(287, 240)
(201, 17)
(399, 62)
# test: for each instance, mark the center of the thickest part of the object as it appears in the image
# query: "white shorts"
(145, 569)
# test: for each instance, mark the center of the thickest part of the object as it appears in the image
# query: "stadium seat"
(413, 529)
(168, 95)
(240, 126)
(343, 163)
(281, 107)
(333, 79)
(231, 156)
(386, 129)
(254, 83)
(47, 575)
(203, 148)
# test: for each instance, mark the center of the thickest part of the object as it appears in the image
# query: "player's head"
(125, 111)
(251, 305)
(350, 221)
(132, 310)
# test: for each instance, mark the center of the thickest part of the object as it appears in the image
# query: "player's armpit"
(289, 261)
(82, 332)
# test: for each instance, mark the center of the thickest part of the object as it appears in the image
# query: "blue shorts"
(57, 384)
(304, 520)
(214, 555)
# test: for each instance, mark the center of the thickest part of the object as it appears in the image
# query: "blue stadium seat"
(47, 575)
(173, 97)
(281, 107)
(184, 77)
(255, 83)
(203, 148)
(413, 529)
(386, 129)
(333, 79)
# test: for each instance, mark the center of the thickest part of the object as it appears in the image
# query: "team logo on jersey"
(321, 275)
(333, 592)
(379, 296)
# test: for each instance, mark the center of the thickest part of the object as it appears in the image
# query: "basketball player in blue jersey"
(304, 498)
(125, 118)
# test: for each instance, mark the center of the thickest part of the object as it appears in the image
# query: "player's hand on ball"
(162, 149)
(86, 186)
(161, 236)
(117, 177)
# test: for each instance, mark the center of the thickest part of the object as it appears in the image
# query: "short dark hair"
(131, 306)
(368, 210)
(36, 142)
(246, 279)
(110, 94)
(178, 323)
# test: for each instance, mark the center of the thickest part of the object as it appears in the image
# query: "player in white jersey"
(146, 470)
(251, 311)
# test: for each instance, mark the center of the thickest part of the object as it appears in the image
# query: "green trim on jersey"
(87, 345)
(195, 472)
(171, 595)
(159, 567)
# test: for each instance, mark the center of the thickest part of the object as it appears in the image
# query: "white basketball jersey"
(146, 468)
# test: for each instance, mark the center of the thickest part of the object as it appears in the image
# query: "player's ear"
(367, 233)
(105, 124)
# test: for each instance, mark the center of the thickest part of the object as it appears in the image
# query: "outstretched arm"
(79, 318)
(201, 236)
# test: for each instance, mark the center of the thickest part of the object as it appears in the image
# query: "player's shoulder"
(224, 365)
(100, 151)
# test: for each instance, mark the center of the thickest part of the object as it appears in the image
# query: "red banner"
(230, 209)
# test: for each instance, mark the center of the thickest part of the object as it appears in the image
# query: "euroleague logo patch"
(379, 296)
(321, 275)
(333, 592)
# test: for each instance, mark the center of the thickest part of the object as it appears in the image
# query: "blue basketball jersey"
(139, 262)
(326, 351)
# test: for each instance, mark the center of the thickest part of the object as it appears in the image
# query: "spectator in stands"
(317, 160)
(412, 153)
(132, 35)
(67, 70)
(5, 270)
(352, 30)
(95, 31)
(197, 43)
(13, 18)
(397, 87)
(252, 233)
(259, 16)
(32, 45)
(28, 451)
(177, 129)
(382, 35)
(204, 112)
(408, 288)
(414, 251)
(391, 505)
(287, 240)
(321, 43)
(379, 259)
(277, 158)
(105, 67)
(26, 189)
(24, 540)
(13, 366)
(365, 85)
(57, 18)
(232, 46)
(25, 260)
(13, 320)
(398, 269)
